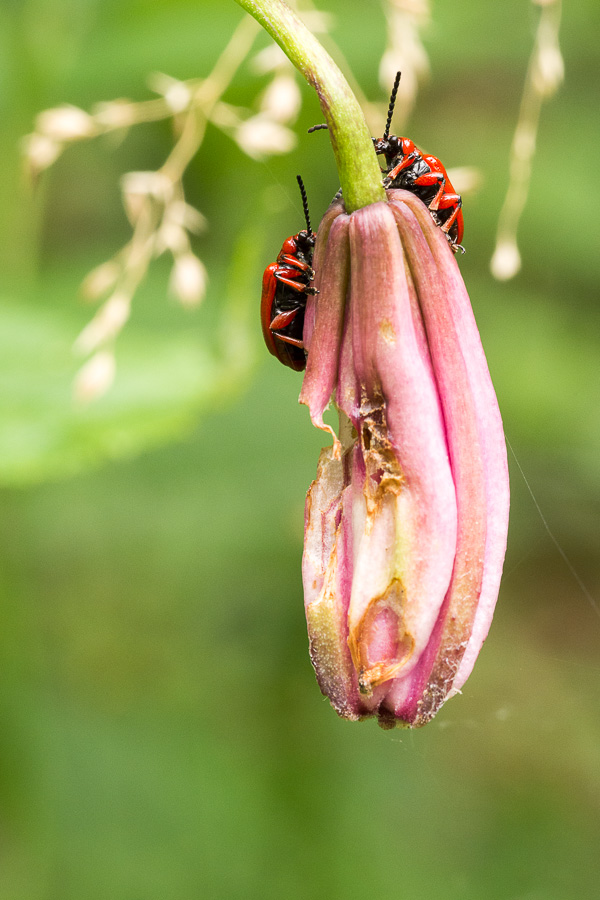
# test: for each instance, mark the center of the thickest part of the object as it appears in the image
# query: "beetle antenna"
(317, 128)
(388, 124)
(304, 203)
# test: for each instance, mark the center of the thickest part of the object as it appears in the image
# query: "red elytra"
(285, 288)
(407, 167)
(424, 175)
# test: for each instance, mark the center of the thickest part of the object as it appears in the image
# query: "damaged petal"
(476, 446)
(403, 443)
(326, 574)
(406, 521)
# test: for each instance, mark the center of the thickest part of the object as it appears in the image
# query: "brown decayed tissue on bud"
(406, 522)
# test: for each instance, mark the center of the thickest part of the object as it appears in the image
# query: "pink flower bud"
(406, 521)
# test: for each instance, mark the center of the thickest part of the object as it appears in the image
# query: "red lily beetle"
(407, 167)
(285, 288)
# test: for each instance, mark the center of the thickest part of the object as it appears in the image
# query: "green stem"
(360, 177)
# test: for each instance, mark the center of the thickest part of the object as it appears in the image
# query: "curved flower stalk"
(406, 521)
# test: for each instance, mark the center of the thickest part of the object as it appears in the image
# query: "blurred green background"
(162, 736)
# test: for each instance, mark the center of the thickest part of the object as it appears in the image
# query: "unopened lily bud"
(95, 377)
(466, 179)
(155, 184)
(548, 68)
(188, 280)
(181, 213)
(406, 522)
(225, 116)
(524, 140)
(106, 324)
(317, 21)
(115, 114)
(176, 93)
(65, 123)
(173, 237)
(260, 136)
(40, 152)
(138, 187)
(506, 260)
(414, 69)
(282, 99)
(100, 280)
(178, 219)
(268, 59)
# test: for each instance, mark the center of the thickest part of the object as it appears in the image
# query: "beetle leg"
(435, 203)
(452, 218)
(284, 319)
(295, 342)
(433, 178)
(449, 200)
(295, 263)
(296, 285)
(403, 164)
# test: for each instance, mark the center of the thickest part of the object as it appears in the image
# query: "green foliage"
(163, 382)
(167, 738)
(172, 366)
(161, 732)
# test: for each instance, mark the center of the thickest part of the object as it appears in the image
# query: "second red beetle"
(285, 288)
(407, 167)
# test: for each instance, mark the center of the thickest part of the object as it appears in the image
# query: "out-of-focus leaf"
(166, 376)
(543, 355)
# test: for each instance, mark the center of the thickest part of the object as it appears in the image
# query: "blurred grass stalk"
(544, 75)
(154, 201)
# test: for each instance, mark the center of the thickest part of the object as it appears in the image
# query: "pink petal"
(477, 450)
(404, 557)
